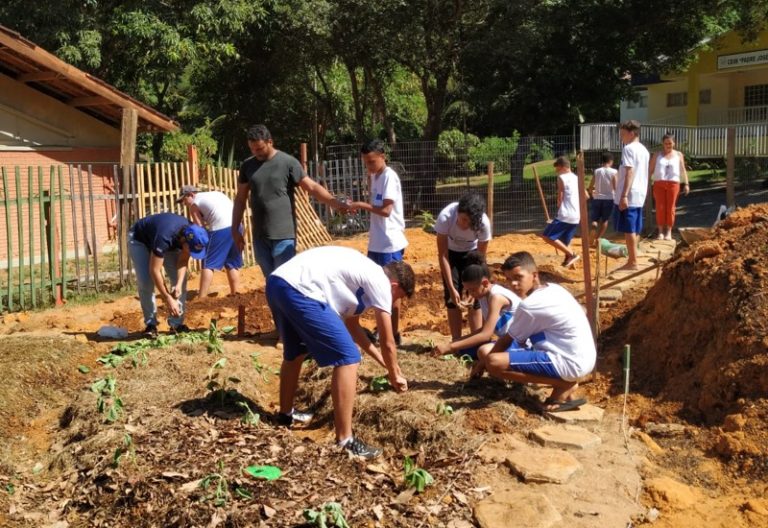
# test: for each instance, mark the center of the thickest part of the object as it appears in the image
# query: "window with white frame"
(705, 96)
(640, 102)
(756, 95)
(677, 99)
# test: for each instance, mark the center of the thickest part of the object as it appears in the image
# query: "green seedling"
(448, 357)
(249, 417)
(219, 486)
(416, 477)
(125, 448)
(443, 409)
(217, 383)
(466, 360)
(330, 515)
(261, 368)
(243, 493)
(426, 220)
(83, 369)
(214, 344)
(380, 384)
(108, 402)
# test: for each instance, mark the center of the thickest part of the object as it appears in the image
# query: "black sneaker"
(358, 448)
(286, 420)
(181, 329)
(150, 331)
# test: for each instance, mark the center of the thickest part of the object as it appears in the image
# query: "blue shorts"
(630, 220)
(562, 231)
(306, 325)
(471, 351)
(531, 361)
(600, 210)
(382, 259)
(222, 251)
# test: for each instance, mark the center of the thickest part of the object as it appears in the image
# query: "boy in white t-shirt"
(562, 348)
(213, 210)
(386, 236)
(461, 227)
(601, 190)
(562, 229)
(316, 299)
(631, 188)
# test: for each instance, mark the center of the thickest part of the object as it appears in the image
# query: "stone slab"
(565, 437)
(614, 294)
(584, 415)
(516, 509)
(541, 464)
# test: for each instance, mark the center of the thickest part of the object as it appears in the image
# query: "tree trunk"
(381, 103)
(357, 102)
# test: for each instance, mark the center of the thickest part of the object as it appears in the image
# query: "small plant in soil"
(466, 360)
(217, 383)
(329, 516)
(126, 448)
(261, 368)
(108, 402)
(214, 343)
(443, 410)
(426, 220)
(249, 417)
(416, 477)
(380, 384)
(218, 486)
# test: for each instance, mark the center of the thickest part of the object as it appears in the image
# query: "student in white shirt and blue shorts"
(562, 229)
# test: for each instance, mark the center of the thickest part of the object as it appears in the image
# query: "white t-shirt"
(667, 169)
(343, 278)
(462, 240)
(568, 211)
(507, 312)
(633, 155)
(387, 235)
(215, 208)
(603, 187)
(555, 323)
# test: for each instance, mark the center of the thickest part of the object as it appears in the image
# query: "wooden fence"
(63, 229)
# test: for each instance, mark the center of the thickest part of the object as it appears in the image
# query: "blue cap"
(196, 238)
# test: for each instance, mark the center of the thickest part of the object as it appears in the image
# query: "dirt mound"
(699, 338)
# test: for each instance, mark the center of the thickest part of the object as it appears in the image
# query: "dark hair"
(473, 206)
(475, 267)
(259, 133)
(403, 274)
(668, 135)
(375, 145)
(521, 259)
(607, 156)
(631, 126)
(562, 161)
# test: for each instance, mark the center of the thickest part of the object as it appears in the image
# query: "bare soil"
(698, 344)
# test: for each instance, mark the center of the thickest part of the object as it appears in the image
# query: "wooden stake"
(490, 193)
(597, 289)
(541, 193)
(623, 279)
(584, 221)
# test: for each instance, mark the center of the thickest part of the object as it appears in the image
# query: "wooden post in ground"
(490, 193)
(194, 165)
(303, 157)
(541, 193)
(584, 221)
(128, 130)
(730, 166)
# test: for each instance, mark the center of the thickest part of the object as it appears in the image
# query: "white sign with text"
(751, 58)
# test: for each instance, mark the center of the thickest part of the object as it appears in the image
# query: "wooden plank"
(75, 237)
(96, 100)
(177, 187)
(156, 190)
(93, 230)
(140, 190)
(37, 76)
(128, 129)
(62, 295)
(30, 202)
(9, 260)
(541, 194)
(586, 260)
(20, 228)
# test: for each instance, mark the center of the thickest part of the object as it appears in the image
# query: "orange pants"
(665, 194)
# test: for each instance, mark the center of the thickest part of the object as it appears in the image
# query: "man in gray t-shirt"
(270, 177)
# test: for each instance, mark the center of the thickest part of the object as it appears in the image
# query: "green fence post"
(41, 218)
(20, 228)
(30, 204)
(63, 234)
(9, 258)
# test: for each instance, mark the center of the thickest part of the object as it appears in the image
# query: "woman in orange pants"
(667, 168)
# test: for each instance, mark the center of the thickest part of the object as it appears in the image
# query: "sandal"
(563, 405)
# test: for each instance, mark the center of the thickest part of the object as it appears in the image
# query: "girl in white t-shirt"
(497, 306)
(667, 168)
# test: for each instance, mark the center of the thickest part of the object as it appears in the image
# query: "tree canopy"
(396, 69)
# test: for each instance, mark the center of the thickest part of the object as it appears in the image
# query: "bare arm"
(684, 175)
(652, 164)
(321, 193)
(197, 218)
(482, 247)
(389, 352)
(385, 210)
(358, 335)
(482, 336)
(181, 268)
(156, 272)
(241, 199)
(628, 179)
(560, 192)
(445, 267)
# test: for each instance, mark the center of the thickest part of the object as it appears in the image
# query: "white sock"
(344, 442)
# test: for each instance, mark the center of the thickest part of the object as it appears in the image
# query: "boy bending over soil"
(317, 298)
(562, 347)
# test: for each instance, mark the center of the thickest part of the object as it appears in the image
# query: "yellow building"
(726, 84)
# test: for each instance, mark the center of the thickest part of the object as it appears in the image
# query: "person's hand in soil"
(398, 382)
(477, 370)
(441, 349)
(173, 306)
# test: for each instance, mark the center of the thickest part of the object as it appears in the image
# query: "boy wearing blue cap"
(164, 240)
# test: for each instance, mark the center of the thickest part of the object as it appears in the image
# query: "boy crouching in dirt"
(562, 347)
(317, 299)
